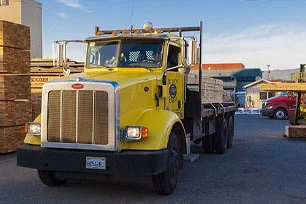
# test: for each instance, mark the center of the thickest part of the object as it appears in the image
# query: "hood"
(124, 79)
(278, 98)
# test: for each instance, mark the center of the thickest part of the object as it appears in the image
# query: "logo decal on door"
(172, 91)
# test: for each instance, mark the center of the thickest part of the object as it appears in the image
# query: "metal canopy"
(294, 87)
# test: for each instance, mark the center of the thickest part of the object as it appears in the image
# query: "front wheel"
(166, 181)
(280, 114)
(48, 178)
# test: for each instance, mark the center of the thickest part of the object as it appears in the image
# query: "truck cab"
(279, 107)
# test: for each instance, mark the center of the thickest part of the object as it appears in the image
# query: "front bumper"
(269, 112)
(74, 161)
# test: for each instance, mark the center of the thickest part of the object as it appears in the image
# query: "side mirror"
(194, 52)
(192, 57)
(59, 57)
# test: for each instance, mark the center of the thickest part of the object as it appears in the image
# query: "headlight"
(269, 107)
(32, 129)
(132, 133)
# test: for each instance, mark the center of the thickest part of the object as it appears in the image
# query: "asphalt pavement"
(262, 167)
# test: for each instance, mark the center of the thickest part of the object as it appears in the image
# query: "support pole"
(200, 66)
(298, 100)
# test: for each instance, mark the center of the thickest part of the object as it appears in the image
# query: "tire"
(165, 182)
(230, 138)
(221, 136)
(48, 178)
(280, 114)
(207, 144)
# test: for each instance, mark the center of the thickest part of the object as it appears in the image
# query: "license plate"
(95, 163)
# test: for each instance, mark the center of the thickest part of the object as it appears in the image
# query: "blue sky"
(254, 32)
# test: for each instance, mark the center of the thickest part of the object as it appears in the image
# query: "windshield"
(132, 54)
(102, 54)
(283, 94)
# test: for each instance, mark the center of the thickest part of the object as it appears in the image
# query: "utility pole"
(268, 71)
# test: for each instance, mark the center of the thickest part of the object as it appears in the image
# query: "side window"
(263, 95)
(173, 56)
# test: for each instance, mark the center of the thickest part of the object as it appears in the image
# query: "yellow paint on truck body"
(139, 102)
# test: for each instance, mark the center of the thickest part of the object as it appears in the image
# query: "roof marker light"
(148, 26)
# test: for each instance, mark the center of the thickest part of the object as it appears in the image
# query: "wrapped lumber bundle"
(14, 35)
(15, 112)
(11, 138)
(15, 89)
(14, 61)
(212, 89)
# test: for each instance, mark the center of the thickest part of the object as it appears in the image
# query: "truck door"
(175, 82)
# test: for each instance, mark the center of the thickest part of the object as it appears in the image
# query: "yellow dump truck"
(130, 112)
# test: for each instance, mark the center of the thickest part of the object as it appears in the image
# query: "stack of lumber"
(212, 89)
(295, 131)
(15, 92)
(42, 70)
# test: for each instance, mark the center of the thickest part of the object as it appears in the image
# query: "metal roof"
(256, 82)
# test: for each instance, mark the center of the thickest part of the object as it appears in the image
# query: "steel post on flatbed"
(200, 65)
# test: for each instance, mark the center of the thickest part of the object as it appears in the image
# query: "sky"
(256, 33)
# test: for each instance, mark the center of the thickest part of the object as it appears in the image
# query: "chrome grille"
(78, 117)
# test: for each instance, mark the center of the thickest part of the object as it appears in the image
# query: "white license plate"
(95, 163)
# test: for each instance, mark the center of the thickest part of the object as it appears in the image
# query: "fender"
(33, 139)
(160, 124)
(278, 104)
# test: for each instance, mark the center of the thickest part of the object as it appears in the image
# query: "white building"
(29, 13)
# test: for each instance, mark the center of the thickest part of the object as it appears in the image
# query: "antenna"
(132, 13)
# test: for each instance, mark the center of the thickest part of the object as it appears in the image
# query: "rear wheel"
(48, 178)
(166, 181)
(280, 114)
(221, 136)
(230, 132)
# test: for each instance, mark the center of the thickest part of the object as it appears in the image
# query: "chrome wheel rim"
(280, 114)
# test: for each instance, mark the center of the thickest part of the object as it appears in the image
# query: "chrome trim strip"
(61, 116)
(117, 114)
(77, 117)
(93, 117)
(77, 146)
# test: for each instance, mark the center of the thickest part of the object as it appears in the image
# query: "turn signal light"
(144, 132)
(26, 128)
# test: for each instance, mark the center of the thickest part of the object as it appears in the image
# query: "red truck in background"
(280, 107)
